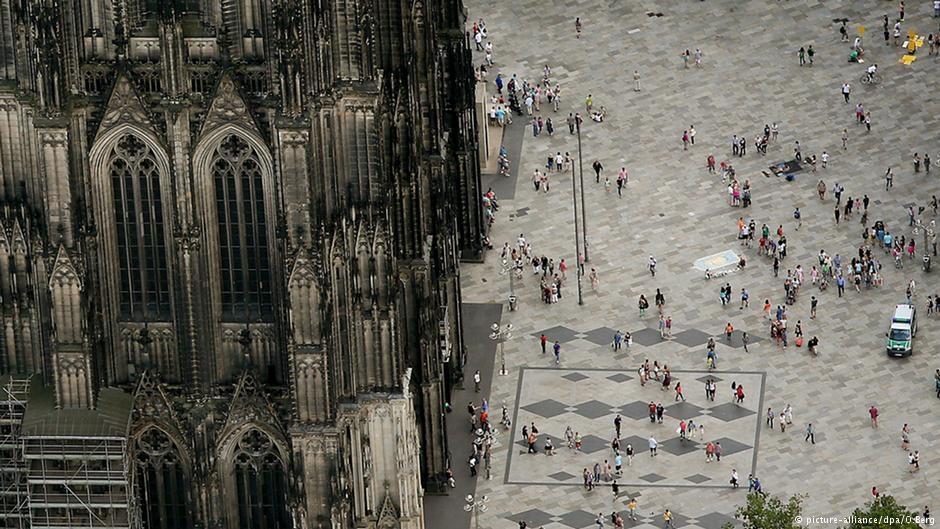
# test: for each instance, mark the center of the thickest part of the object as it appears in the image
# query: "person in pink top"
(873, 412)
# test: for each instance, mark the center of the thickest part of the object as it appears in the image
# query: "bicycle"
(872, 80)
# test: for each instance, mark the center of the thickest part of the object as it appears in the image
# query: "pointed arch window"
(243, 237)
(260, 483)
(141, 242)
(161, 482)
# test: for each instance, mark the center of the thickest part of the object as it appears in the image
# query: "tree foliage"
(769, 512)
(883, 513)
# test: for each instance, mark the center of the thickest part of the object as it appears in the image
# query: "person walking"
(846, 89)
(597, 170)
(617, 422)
(476, 381)
(667, 520)
(802, 55)
(873, 413)
(770, 418)
(652, 266)
(636, 81)
(653, 444)
(556, 348)
(544, 341)
(734, 478)
(679, 394)
(744, 340)
(810, 433)
(631, 507)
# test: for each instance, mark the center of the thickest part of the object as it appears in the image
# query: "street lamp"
(512, 270)
(577, 122)
(475, 506)
(577, 242)
(500, 336)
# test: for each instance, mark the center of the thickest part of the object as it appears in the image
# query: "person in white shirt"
(825, 158)
(871, 72)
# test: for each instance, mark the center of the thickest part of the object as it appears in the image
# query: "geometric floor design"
(604, 336)
(679, 462)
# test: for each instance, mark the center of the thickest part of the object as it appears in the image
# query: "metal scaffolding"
(13, 499)
(77, 468)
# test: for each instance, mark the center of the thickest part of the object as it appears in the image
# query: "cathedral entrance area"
(587, 401)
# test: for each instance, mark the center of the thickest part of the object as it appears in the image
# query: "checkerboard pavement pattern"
(588, 401)
(674, 210)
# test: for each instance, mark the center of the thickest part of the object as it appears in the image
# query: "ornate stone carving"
(124, 106)
(228, 106)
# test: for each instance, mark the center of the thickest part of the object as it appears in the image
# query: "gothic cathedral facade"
(248, 216)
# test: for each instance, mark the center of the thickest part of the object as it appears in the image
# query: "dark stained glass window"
(260, 483)
(139, 222)
(243, 238)
(161, 482)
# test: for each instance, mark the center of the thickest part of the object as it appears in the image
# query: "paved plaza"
(673, 209)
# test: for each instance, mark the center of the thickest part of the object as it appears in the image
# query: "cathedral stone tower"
(230, 233)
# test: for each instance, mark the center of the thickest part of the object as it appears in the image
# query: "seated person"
(549, 447)
(597, 116)
(853, 57)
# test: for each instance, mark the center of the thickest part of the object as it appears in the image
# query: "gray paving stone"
(646, 337)
(534, 517)
(697, 478)
(577, 519)
(635, 410)
(730, 411)
(692, 338)
(558, 333)
(715, 520)
(730, 447)
(547, 408)
(591, 444)
(593, 409)
(682, 411)
(678, 447)
(600, 336)
(620, 377)
(575, 377)
(562, 476)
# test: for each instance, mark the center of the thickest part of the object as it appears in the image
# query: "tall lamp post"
(511, 269)
(500, 336)
(577, 242)
(581, 176)
(475, 506)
